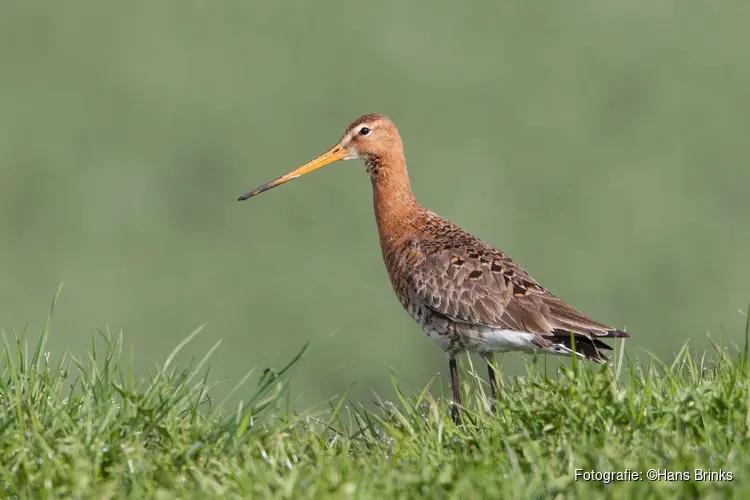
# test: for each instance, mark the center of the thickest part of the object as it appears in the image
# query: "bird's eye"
(364, 131)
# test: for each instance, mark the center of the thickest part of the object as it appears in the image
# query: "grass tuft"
(90, 428)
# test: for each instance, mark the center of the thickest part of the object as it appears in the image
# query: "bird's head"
(369, 137)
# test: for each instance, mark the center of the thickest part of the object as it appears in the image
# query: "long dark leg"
(492, 374)
(456, 387)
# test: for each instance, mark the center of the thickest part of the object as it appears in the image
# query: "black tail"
(588, 347)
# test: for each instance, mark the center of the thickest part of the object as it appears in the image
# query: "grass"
(90, 428)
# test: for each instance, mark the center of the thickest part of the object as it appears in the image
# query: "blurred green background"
(602, 144)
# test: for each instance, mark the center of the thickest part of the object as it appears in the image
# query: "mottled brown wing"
(476, 283)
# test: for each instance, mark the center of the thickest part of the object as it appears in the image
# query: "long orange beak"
(336, 153)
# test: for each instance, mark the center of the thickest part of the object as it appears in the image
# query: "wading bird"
(465, 294)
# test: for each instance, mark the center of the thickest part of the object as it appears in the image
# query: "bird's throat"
(397, 211)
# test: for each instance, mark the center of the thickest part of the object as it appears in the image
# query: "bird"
(465, 294)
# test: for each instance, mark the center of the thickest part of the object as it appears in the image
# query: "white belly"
(484, 339)
(472, 337)
(496, 340)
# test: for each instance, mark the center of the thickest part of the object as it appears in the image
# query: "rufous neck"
(396, 208)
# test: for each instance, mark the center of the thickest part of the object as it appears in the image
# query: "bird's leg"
(490, 359)
(456, 387)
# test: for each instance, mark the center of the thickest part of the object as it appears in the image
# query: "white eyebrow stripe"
(348, 137)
